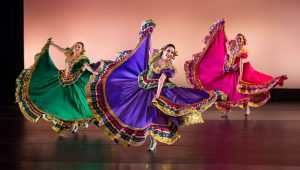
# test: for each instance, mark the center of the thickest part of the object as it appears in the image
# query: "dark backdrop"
(12, 61)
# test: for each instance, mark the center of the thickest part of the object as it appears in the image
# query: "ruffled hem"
(146, 28)
(191, 66)
(28, 109)
(129, 136)
(255, 100)
(191, 73)
(214, 28)
(186, 113)
(251, 88)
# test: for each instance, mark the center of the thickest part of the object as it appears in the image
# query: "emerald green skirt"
(40, 92)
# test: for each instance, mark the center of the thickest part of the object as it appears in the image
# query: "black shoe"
(116, 141)
(96, 123)
(224, 116)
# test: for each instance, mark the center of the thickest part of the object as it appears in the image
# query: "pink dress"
(217, 67)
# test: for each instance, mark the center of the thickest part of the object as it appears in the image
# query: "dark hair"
(245, 40)
(80, 43)
(169, 45)
(83, 49)
(158, 53)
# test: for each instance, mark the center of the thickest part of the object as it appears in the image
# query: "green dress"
(44, 91)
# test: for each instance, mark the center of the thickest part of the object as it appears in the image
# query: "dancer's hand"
(227, 65)
(50, 41)
(157, 95)
(83, 67)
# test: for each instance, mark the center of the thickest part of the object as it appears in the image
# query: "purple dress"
(122, 98)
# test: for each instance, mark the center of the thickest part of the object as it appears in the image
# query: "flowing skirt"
(206, 71)
(127, 109)
(40, 93)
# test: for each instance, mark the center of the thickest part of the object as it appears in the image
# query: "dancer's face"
(240, 40)
(168, 53)
(77, 48)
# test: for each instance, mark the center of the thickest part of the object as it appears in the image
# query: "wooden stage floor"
(268, 140)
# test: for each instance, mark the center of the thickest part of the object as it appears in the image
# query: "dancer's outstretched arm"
(161, 82)
(88, 67)
(57, 47)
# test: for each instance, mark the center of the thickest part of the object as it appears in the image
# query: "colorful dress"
(211, 69)
(123, 98)
(56, 95)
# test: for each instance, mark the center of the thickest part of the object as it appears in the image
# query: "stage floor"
(268, 140)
